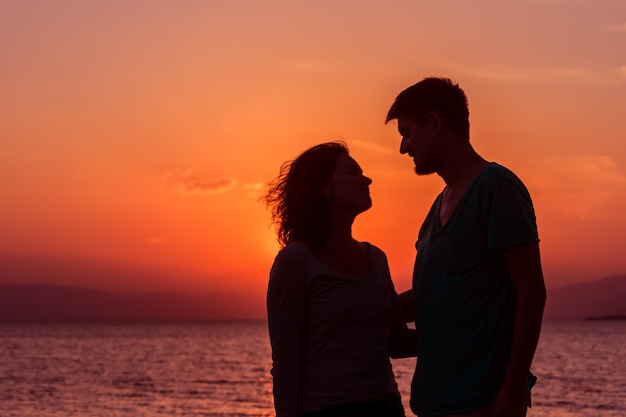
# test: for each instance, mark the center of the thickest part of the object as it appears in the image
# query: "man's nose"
(404, 146)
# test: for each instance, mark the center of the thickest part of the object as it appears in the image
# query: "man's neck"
(462, 168)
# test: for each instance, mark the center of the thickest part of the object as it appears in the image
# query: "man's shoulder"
(496, 169)
(495, 172)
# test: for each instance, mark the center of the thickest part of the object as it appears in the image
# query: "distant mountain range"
(48, 302)
(601, 298)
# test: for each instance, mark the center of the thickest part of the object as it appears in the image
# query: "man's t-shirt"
(464, 296)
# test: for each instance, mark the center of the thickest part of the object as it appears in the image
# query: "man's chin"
(421, 171)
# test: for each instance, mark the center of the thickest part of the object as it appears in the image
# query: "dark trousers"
(384, 408)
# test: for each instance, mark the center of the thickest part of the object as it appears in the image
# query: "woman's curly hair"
(299, 209)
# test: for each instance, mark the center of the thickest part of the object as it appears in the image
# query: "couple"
(477, 300)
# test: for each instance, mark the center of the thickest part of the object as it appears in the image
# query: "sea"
(221, 369)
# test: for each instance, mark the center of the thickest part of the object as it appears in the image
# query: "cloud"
(571, 74)
(24, 156)
(155, 240)
(210, 187)
(578, 172)
(36, 156)
(372, 147)
(580, 186)
(190, 183)
(618, 28)
(254, 189)
(311, 66)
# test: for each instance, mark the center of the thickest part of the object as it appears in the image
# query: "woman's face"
(347, 187)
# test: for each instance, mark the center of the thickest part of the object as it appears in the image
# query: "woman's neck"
(344, 254)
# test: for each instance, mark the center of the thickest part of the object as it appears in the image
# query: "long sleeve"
(286, 301)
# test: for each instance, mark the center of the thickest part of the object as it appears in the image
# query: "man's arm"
(524, 265)
(403, 339)
(407, 306)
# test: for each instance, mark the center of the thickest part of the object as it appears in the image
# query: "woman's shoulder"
(295, 249)
(291, 268)
(294, 252)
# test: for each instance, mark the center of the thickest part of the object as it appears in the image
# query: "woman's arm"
(286, 301)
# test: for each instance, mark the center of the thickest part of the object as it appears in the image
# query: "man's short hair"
(433, 94)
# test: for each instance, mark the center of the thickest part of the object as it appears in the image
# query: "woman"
(333, 314)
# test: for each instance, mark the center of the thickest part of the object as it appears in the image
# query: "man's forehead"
(404, 123)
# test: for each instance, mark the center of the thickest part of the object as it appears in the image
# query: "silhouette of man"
(478, 288)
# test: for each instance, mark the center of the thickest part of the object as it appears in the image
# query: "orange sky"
(139, 135)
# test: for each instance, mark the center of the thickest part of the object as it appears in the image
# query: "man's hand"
(510, 404)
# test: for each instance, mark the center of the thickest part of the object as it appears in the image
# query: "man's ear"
(435, 120)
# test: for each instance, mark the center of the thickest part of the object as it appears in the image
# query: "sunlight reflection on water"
(222, 369)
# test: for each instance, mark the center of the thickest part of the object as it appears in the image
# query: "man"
(478, 286)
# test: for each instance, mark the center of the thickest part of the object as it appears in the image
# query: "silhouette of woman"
(333, 314)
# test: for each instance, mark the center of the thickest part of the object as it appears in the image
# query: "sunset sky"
(137, 136)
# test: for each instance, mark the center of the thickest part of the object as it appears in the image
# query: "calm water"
(222, 369)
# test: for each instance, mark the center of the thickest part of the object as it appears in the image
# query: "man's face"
(419, 142)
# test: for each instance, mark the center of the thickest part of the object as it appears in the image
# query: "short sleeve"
(510, 214)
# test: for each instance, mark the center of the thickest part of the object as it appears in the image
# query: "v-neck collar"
(442, 227)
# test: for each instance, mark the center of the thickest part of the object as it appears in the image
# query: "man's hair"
(299, 209)
(433, 94)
